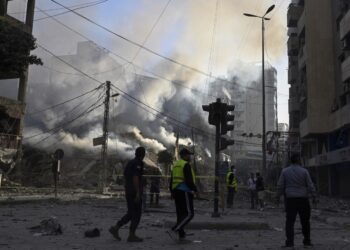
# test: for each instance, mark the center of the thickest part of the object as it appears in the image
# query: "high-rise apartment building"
(319, 77)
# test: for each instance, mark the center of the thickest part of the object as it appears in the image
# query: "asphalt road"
(226, 232)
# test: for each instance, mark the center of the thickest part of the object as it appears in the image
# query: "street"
(237, 228)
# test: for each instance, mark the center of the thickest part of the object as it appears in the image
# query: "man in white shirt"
(296, 185)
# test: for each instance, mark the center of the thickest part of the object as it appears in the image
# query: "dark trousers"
(253, 198)
(184, 210)
(133, 214)
(296, 206)
(154, 191)
(230, 196)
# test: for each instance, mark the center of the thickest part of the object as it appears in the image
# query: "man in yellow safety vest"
(182, 188)
(231, 183)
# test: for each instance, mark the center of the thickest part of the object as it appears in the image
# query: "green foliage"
(15, 47)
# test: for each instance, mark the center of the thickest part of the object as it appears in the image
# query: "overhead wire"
(66, 113)
(212, 46)
(78, 8)
(137, 66)
(63, 124)
(64, 102)
(148, 49)
(54, 9)
(120, 90)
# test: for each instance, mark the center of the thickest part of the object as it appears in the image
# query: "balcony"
(8, 141)
(345, 26)
(345, 67)
(292, 74)
(15, 22)
(293, 45)
(293, 15)
(302, 57)
(301, 22)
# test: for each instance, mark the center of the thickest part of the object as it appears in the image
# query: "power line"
(148, 49)
(54, 9)
(75, 107)
(141, 68)
(78, 8)
(125, 94)
(64, 102)
(86, 111)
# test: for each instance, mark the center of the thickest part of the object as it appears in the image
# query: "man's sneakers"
(114, 230)
(134, 238)
(307, 244)
(173, 235)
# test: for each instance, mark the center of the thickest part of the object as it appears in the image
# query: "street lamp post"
(263, 18)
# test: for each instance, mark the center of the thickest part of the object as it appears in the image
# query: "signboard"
(98, 141)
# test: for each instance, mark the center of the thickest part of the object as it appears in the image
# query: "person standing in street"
(154, 190)
(133, 193)
(252, 190)
(296, 185)
(182, 188)
(231, 183)
(260, 189)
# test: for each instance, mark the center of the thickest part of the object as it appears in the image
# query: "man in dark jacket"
(182, 188)
(260, 189)
(296, 186)
(133, 192)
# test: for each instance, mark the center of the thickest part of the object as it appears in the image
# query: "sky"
(211, 36)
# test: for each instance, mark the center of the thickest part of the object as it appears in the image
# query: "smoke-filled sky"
(211, 36)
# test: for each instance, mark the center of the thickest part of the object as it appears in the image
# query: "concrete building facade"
(12, 109)
(319, 102)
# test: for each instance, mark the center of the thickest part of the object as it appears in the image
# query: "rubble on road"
(47, 227)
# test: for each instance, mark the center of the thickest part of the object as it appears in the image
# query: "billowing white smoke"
(184, 33)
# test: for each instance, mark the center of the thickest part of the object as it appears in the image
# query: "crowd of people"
(294, 185)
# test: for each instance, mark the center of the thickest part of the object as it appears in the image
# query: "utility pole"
(263, 19)
(103, 170)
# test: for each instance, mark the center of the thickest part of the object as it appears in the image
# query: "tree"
(15, 47)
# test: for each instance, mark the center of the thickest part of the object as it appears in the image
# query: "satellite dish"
(58, 155)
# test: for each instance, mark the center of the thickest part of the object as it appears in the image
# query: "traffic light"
(224, 143)
(226, 117)
(214, 110)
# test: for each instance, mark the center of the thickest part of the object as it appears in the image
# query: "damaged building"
(319, 78)
(12, 108)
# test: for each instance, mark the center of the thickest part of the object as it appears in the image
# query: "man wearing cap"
(182, 188)
(133, 192)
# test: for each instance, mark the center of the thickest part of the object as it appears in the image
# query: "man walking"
(133, 192)
(231, 183)
(252, 190)
(296, 185)
(182, 187)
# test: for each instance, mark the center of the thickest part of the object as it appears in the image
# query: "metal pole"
(263, 100)
(103, 172)
(216, 182)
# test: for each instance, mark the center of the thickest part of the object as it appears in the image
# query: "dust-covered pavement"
(78, 216)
